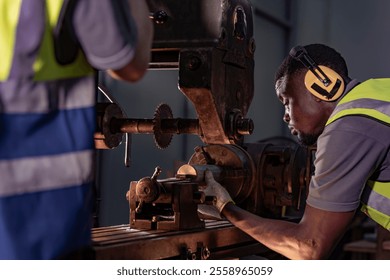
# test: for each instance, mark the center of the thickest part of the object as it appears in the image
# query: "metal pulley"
(231, 166)
(105, 137)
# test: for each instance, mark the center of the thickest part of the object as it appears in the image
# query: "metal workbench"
(218, 240)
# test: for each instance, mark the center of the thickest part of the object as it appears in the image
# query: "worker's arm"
(313, 238)
(136, 68)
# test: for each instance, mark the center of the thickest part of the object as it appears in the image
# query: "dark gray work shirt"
(107, 40)
(350, 151)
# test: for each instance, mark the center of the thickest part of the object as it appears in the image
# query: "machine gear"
(162, 140)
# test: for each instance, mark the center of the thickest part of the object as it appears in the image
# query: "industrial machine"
(211, 43)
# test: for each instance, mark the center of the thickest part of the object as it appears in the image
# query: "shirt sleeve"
(106, 32)
(347, 155)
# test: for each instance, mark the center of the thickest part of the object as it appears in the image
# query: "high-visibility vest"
(46, 66)
(370, 99)
(47, 121)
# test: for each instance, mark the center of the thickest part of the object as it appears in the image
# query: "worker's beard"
(307, 139)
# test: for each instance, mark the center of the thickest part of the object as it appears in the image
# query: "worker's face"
(305, 114)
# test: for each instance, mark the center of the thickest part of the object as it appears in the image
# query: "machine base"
(218, 240)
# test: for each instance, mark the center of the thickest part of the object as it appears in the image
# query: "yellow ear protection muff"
(323, 82)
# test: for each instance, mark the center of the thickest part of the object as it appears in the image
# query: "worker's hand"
(208, 212)
(215, 189)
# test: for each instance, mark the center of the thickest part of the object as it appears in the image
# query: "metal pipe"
(180, 126)
(147, 126)
(133, 126)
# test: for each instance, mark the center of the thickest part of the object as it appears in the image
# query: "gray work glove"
(213, 188)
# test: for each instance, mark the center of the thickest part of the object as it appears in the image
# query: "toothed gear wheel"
(162, 140)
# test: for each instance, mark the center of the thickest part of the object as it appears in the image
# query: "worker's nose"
(286, 118)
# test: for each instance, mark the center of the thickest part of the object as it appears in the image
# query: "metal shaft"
(146, 126)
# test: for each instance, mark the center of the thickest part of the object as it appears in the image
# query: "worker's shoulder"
(355, 126)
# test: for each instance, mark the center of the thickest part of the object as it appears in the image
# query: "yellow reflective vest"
(46, 66)
(370, 99)
(47, 121)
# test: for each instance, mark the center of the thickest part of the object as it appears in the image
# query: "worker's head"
(309, 92)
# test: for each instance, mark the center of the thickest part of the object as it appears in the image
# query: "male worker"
(350, 122)
(49, 51)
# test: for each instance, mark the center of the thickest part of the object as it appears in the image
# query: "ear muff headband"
(321, 81)
(330, 92)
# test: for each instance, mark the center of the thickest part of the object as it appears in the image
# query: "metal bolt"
(159, 17)
(245, 126)
(206, 253)
(193, 63)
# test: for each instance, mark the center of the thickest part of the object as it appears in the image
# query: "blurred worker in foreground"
(350, 122)
(50, 50)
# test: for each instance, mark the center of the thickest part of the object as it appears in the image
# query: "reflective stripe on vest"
(375, 202)
(45, 66)
(370, 99)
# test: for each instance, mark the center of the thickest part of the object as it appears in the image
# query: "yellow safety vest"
(46, 67)
(370, 99)
(47, 119)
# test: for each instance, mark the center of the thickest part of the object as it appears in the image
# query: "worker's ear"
(321, 81)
